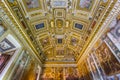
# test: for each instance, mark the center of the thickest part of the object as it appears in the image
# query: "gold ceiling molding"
(58, 27)
(62, 28)
(39, 26)
(59, 12)
(83, 24)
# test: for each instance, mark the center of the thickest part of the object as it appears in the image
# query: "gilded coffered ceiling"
(59, 28)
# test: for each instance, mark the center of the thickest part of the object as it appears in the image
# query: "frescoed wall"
(60, 73)
(107, 60)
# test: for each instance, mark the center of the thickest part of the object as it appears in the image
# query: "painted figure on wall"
(4, 58)
(20, 67)
(60, 73)
(94, 69)
(107, 60)
(71, 74)
(48, 74)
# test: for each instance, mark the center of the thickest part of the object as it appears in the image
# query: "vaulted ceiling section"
(60, 29)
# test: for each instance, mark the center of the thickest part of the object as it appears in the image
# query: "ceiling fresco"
(6, 45)
(59, 28)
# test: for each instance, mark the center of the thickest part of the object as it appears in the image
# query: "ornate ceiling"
(59, 28)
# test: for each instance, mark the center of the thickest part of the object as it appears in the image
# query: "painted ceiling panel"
(60, 28)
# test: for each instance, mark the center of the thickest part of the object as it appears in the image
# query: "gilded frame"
(34, 8)
(85, 7)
